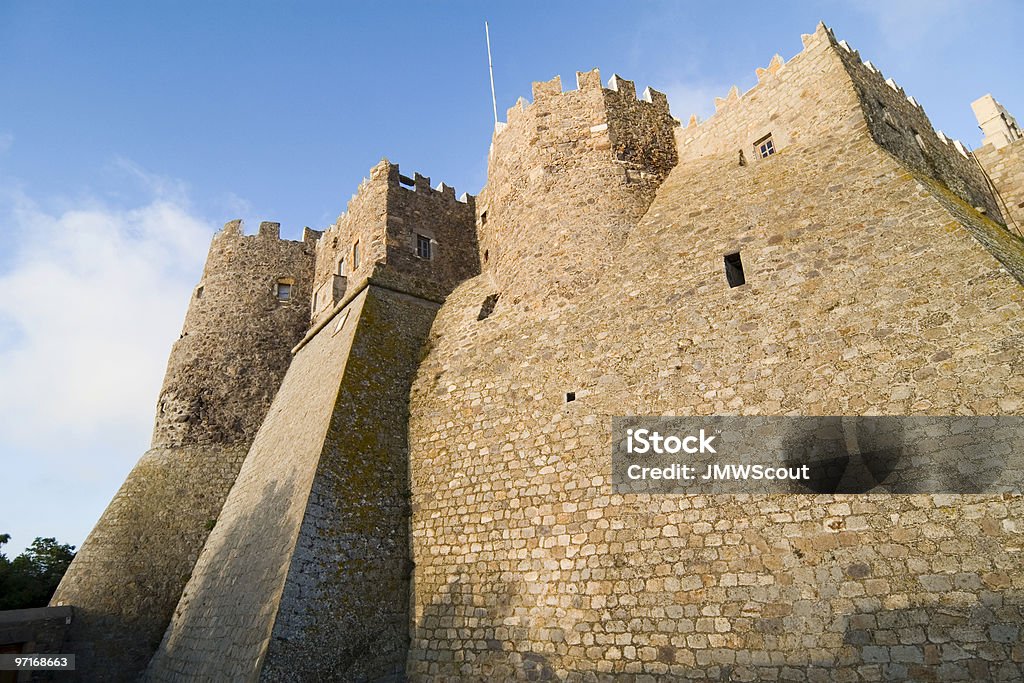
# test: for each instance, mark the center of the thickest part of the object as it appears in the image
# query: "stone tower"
(601, 151)
(249, 309)
(999, 127)
(308, 566)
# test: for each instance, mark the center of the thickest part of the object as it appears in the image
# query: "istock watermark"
(830, 454)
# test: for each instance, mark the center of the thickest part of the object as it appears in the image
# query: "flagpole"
(490, 66)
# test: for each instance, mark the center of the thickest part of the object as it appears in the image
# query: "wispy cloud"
(6, 140)
(93, 297)
(905, 23)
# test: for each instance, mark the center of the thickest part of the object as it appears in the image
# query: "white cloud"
(93, 296)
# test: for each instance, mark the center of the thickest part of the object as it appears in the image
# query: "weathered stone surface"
(879, 280)
(221, 376)
(871, 288)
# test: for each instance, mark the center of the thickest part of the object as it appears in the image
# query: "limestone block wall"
(221, 376)
(866, 294)
(601, 152)
(306, 575)
(1005, 167)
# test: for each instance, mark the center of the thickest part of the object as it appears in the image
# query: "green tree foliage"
(30, 579)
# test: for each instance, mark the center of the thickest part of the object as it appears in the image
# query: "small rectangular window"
(765, 146)
(423, 246)
(918, 139)
(355, 255)
(199, 292)
(284, 291)
(341, 267)
(734, 270)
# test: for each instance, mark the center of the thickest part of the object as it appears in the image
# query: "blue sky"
(131, 131)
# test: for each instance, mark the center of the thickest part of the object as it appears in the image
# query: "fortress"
(383, 452)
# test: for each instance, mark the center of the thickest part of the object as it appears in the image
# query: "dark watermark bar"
(36, 662)
(730, 454)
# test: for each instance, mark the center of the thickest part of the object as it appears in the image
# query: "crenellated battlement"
(788, 105)
(549, 93)
(899, 124)
(421, 184)
(267, 231)
(822, 35)
(875, 74)
(387, 176)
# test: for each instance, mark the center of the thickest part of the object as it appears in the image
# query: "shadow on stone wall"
(491, 650)
(234, 580)
(977, 642)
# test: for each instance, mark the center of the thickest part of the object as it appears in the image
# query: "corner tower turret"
(569, 175)
(1001, 155)
(999, 127)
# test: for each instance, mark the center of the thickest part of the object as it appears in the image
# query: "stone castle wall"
(221, 376)
(1005, 167)
(473, 510)
(601, 151)
(869, 291)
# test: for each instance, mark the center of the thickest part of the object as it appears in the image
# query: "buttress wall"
(221, 377)
(601, 151)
